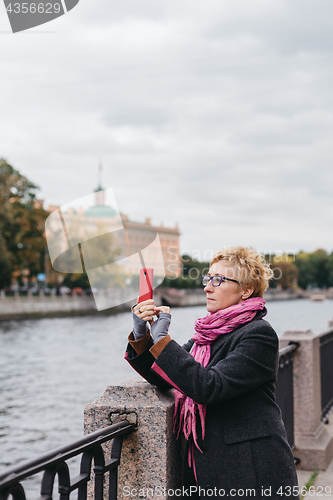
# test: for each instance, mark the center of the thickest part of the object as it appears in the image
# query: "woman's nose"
(208, 287)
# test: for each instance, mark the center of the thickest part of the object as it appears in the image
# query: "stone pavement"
(324, 478)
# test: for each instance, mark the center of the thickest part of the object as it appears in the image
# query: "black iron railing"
(284, 389)
(54, 464)
(326, 372)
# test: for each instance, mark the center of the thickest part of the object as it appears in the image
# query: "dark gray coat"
(245, 447)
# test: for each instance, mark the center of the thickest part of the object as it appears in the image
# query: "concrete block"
(150, 455)
(313, 444)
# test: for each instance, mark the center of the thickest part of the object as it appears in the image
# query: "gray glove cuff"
(140, 327)
(160, 327)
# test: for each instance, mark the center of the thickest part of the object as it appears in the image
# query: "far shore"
(42, 306)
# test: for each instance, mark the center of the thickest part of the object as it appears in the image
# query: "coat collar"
(223, 338)
(260, 314)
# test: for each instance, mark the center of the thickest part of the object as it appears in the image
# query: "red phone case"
(146, 284)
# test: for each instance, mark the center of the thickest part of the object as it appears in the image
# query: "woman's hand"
(142, 313)
(164, 309)
(160, 327)
(145, 310)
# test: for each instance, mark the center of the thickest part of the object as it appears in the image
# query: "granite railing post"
(313, 444)
(150, 457)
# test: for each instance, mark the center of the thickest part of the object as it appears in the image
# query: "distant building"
(140, 235)
(133, 238)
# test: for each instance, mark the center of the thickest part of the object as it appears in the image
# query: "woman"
(234, 440)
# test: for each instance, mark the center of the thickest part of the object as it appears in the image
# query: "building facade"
(156, 245)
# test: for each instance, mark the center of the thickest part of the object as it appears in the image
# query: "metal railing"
(54, 464)
(326, 373)
(284, 389)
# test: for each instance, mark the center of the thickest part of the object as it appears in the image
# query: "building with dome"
(129, 237)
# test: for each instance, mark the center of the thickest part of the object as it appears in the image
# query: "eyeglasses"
(216, 280)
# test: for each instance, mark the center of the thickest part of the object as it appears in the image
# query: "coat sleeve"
(143, 362)
(251, 363)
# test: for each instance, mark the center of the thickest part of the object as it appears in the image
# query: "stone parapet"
(313, 444)
(150, 455)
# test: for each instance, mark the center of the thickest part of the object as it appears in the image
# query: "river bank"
(52, 306)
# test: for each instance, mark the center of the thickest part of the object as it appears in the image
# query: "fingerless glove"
(140, 327)
(160, 327)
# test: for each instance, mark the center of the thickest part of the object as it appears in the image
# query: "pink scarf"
(207, 330)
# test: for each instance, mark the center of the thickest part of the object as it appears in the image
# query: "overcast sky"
(214, 114)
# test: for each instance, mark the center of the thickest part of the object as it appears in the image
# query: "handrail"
(54, 462)
(289, 348)
(284, 388)
(326, 372)
(325, 332)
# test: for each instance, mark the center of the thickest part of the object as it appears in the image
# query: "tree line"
(22, 227)
(303, 270)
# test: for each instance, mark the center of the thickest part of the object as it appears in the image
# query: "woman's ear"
(247, 292)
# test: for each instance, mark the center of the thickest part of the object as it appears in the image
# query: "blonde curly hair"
(251, 267)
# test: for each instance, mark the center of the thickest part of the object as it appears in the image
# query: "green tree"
(314, 269)
(319, 260)
(192, 268)
(306, 270)
(22, 240)
(330, 270)
(285, 274)
(191, 276)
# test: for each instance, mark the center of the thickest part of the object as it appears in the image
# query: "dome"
(100, 211)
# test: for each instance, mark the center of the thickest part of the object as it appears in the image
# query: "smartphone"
(146, 284)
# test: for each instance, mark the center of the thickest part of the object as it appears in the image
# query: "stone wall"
(48, 306)
(150, 457)
(22, 307)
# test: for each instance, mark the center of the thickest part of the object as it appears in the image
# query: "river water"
(51, 368)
